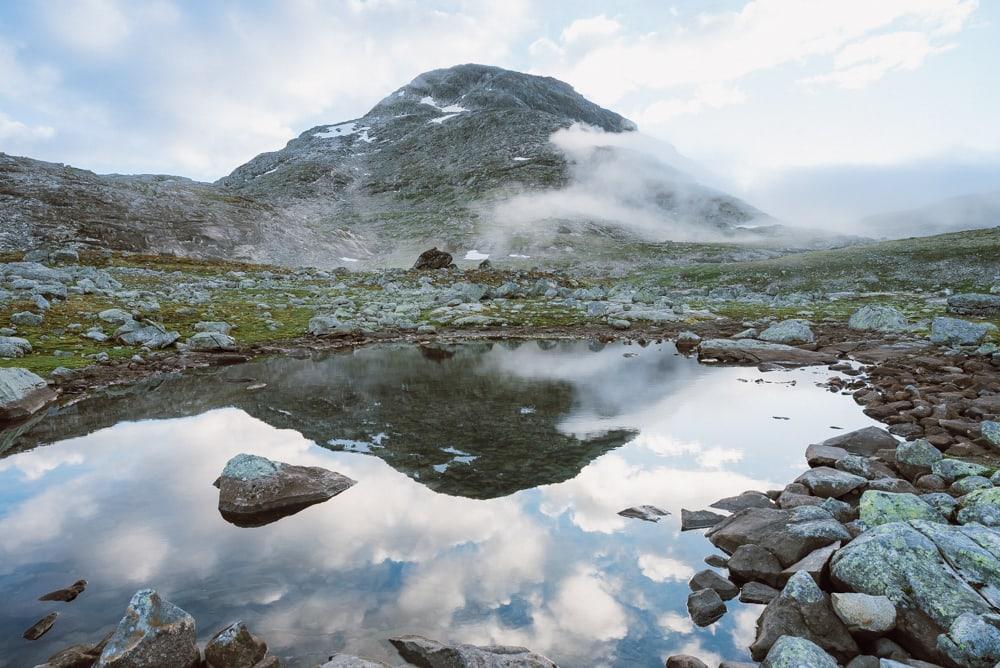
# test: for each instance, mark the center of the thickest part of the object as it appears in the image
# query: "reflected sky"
(551, 566)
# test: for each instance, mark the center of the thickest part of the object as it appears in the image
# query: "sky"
(786, 100)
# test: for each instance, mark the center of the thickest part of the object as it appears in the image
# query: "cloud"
(595, 29)
(86, 25)
(865, 62)
(13, 130)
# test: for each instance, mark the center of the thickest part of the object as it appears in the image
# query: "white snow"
(521, 159)
(346, 130)
(348, 259)
(450, 110)
(520, 257)
(476, 255)
(442, 119)
(401, 93)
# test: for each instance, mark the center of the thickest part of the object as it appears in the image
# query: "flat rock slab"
(750, 499)
(757, 592)
(254, 490)
(422, 651)
(22, 394)
(699, 519)
(751, 351)
(645, 513)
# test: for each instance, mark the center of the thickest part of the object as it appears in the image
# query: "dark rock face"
(428, 653)
(708, 579)
(705, 607)
(685, 661)
(153, 632)
(83, 655)
(753, 562)
(433, 259)
(234, 647)
(742, 501)
(757, 592)
(254, 490)
(803, 610)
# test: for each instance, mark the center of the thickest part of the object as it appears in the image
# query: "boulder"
(878, 318)
(878, 508)
(254, 490)
(708, 579)
(752, 351)
(26, 319)
(705, 607)
(951, 470)
(328, 325)
(826, 482)
(791, 332)
(968, 484)
(433, 259)
(973, 640)
(22, 394)
(685, 661)
(991, 433)
(757, 592)
(115, 316)
(428, 653)
(863, 613)
(213, 326)
(699, 519)
(974, 304)
(792, 652)
(153, 632)
(148, 334)
(645, 513)
(234, 647)
(867, 441)
(933, 573)
(955, 332)
(869, 468)
(945, 504)
(915, 458)
(813, 564)
(818, 454)
(803, 610)
(787, 534)
(14, 346)
(753, 562)
(687, 341)
(748, 499)
(981, 506)
(211, 342)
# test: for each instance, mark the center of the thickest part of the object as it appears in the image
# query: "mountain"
(470, 157)
(966, 212)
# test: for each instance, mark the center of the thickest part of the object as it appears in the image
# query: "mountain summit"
(465, 157)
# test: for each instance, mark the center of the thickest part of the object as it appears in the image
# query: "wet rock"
(685, 661)
(813, 564)
(757, 592)
(867, 441)
(22, 394)
(66, 595)
(973, 640)
(254, 490)
(793, 652)
(787, 534)
(982, 506)
(234, 647)
(348, 661)
(932, 573)
(749, 499)
(687, 341)
(824, 455)
(974, 304)
(705, 607)
(207, 342)
(864, 613)
(826, 482)
(803, 610)
(878, 318)
(753, 562)
(428, 653)
(708, 579)
(955, 332)
(645, 513)
(752, 351)
(41, 627)
(153, 632)
(699, 519)
(878, 508)
(433, 259)
(791, 332)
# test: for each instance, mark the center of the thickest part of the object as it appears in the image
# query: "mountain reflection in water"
(490, 477)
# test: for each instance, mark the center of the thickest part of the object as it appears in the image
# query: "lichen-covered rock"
(864, 613)
(213, 326)
(211, 342)
(234, 647)
(22, 394)
(951, 470)
(869, 468)
(878, 318)
(787, 534)
(932, 573)
(803, 610)
(793, 652)
(825, 482)
(972, 303)
(153, 632)
(981, 506)
(971, 483)
(255, 488)
(955, 332)
(422, 651)
(790, 332)
(991, 433)
(973, 641)
(915, 458)
(877, 508)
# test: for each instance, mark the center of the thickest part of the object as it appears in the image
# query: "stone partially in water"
(66, 595)
(22, 394)
(787, 534)
(752, 351)
(708, 579)
(645, 513)
(685, 661)
(83, 655)
(350, 661)
(234, 647)
(699, 519)
(705, 607)
(867, 441)
(153, 632)
(422, 651)
(41, 627)
(254, 490)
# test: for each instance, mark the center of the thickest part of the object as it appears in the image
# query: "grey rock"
(645, 513)
(751, 351)
(115, 316)
(968, 484)
(915, 458)
(687, 340)
(981, 506)
(428, 653)
(752, 562)
(813, 564)
(705, 607)
(14, 346)
(790, 332)
(699, 519)
(878, 318)
(867, 441)
(869, 468)
(788, 534)
(974, 304)
(27, 319)
(749, 499)
(757, 592)
(945, 504)
(211, 342)
(153, 632)
(864, 613)
(150, 335)
(685, 661)
(973, 640)
(22, 394)
(991, 433)
(213, 326)
(349, 661)
(794, 652)
(878, 508)
(824, 455)
(955, 332)
(951, 470)
(709, 579)
(234, 647)
(825, 482)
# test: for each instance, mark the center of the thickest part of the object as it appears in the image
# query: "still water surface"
(489, 481)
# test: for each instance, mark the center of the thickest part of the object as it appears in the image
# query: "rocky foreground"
(886, 552)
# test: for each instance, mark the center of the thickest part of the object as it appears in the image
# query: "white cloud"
(592, 30)
(707, 96)
(87, 25)
(863, 63)
(662, 569)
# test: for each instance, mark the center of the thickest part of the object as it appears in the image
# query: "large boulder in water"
(153, 632)
(234, 647)
(433, 259)
(254, 490)
(22, 394)
(933, 573)
(429, 653)
(787, 534)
